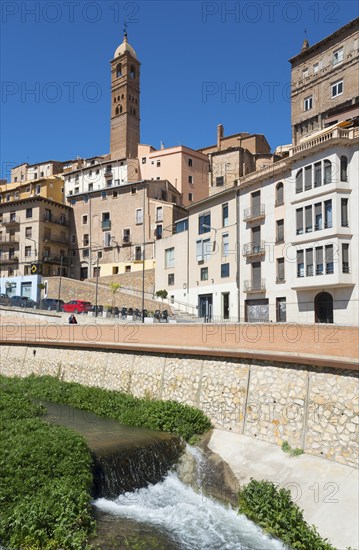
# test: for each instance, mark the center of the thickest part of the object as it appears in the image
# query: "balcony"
(106, 225)
(251, 250)
(126, 240)
(254, 213)
(10, 221)
(253, 286)
(56, 240)
(55, 260)
(59, 221)
(108, 174)
(9, 241)
(324, 276)
(8, 260)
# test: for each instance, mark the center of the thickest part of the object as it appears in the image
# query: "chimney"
(219, 135)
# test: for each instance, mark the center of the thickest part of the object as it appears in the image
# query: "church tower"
(125, 102)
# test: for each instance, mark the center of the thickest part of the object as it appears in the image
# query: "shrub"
(273, 510)
(45, 489)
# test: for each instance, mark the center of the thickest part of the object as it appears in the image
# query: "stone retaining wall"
(309, 407)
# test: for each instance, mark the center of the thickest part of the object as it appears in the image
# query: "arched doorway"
(323, 307)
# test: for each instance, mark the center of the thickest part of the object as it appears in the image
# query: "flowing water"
(151, 499)
(179, 509)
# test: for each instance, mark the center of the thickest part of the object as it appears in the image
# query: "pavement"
(326, 491)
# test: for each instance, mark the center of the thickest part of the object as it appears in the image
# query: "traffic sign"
(35, 269)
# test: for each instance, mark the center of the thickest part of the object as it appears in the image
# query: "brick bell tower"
(125, 102)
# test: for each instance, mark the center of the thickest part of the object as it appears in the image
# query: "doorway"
(225, 305)
(323, 308)
(205, 307)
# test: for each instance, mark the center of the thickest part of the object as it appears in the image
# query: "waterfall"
(127, 469)
(187, 514)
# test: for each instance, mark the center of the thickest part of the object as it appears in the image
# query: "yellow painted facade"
(48, 188)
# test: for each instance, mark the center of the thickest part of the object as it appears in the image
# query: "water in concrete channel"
(144, 492)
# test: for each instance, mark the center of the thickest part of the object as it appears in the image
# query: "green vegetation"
(286, 448)
(273, 510)
(46, 479)
(45, 485)
(166, 416)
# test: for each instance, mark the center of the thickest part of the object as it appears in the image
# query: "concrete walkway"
(327, 492)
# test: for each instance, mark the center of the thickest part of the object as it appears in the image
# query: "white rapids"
(192, 520)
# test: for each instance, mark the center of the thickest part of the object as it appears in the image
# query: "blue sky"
(55, 95)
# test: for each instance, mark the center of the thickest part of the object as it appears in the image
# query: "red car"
(77, 306)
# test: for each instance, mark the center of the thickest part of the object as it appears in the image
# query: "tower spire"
(124, 30)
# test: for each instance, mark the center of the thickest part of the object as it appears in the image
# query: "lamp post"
(60, 280)
(143, 253)
(96, 291)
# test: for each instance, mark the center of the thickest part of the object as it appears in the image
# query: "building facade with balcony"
(325, 82)
(281, 246)
(116, 230)
(35, 230)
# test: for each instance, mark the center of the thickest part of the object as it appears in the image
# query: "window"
(308, 103)
(337, 88)
(318, 225)
(338, 56)
(171, 279)
(29, 212)
(85, 252)
(139, 216)
(144, 160)
(138, 253)
(315, 68)
(280, 231)
(132, 71)
(317, 174)
(190, 197)
(159, 214)
(114, 194)
(204, 224)
(309, 262)
(203, 250)
(328, 214)
(27, 251)
(329, 259)
(279, 199)
(204, 273)
(345, 258)
(224, 270)
(107, 239)
(344, 213)
(308, 219)
(299, 181)
(343, 168)
(169, 258)
(305, 73)
(190, 162)
(84, 219)
(308, 177)
(319, 260)
(327, 172)
(28, 232)
(225, 219)
(300, 263)
(85, 240)
(225, 245)
(219, 181)
(158, 164)
(118, 70)
(103, 195)
(190, 179)
(133, 190)
(280, 270)
(159, 232)
(299, 219)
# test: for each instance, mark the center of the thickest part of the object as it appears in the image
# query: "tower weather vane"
(125, 28)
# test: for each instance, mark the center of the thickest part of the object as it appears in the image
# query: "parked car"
(4, 300)
(23, 301)
(52, 304)
(77, 306)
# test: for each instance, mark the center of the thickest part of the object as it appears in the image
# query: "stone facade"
(273, 402)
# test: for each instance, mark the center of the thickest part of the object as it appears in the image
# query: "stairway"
(183, 317)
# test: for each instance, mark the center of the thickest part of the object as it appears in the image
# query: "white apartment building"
(281, 246)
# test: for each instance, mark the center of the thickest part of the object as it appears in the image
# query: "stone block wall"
(309, 407)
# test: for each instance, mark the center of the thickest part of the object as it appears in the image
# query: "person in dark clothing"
(72, 320)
